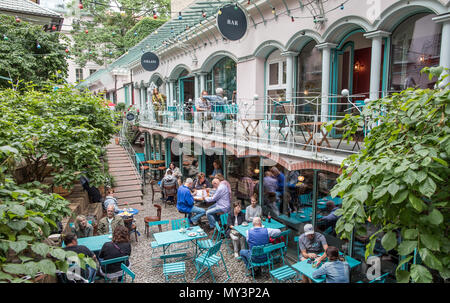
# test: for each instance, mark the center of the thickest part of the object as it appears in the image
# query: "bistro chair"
(222, 234)
(284, 272)
(109, 277)
(174, 268)
(127, 272)
(258, 251)
(129, 223)
(153, 219)
(205, 262)
(223, 219)
(154, 245)
(178, 224)
(282, 252)
(155, 189)
(208, 243)
(170, 191)
(305, 199)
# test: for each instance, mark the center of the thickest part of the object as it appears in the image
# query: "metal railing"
(292, 127)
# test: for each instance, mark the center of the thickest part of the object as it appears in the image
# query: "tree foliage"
(22, 59)
(400, 179)
(110, 33)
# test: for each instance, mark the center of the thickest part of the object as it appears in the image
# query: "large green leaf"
(18, 246)
(417, 203)
(389, 241)
(47, 267)
(429, 259)
(403, 276)
(393, 188)
(40, 249)
(428, 187)
(430, 241)
(420, 274)
(435, 217)
(407, 247)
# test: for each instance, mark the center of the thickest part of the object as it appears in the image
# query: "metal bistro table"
(307, 269)
(167, 238)
(94, 243)
(273, 224)
(302, 216)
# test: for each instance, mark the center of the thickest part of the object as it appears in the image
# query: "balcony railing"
(295, 128)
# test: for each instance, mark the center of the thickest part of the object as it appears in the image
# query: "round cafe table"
(132, 211)
(154, 164)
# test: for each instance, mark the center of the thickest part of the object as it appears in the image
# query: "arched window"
(223, 75)
(309, 79)
(416, 43)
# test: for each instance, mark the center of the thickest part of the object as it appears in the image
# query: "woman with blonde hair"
(82, 228)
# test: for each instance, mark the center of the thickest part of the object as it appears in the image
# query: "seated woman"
(175, 170)
(118, 247)
(81, 227)
(217, 169)
(253, 210)
(336, 270)
(201, 182)
(236, 217)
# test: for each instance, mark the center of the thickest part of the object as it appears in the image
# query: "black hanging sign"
(130, 116)
(232, 22)
(149, 61)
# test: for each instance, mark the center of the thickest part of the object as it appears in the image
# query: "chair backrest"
(258, 250)
(112, 261)
(158, 223)
(127, 271)
(224, 219)
(213, 250)
(380, 279)
(179, 223)
(158, 210)
(170, 189)
(306, 198)
(298, 248)
(140, 157)
(172, 256)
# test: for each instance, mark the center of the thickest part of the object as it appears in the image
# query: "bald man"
(107, 224)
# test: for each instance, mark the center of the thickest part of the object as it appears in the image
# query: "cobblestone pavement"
(141, 262)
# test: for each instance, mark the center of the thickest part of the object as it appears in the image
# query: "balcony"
(295, 130)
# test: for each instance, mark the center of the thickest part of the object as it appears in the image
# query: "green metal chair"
(258, 251)
(284, 272)
(154, 245)
(208, 243)
(282, 252)
(206, 261)
(223, 234)
(111, 276)
(178, 224)
(175, 268)
(127, 272)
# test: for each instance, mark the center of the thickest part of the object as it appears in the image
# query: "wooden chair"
(153, 219)
(131, 226)
(155, 189)
(170, 191)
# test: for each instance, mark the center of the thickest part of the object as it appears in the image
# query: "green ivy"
(400, 179)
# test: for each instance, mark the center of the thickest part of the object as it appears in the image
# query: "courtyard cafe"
(229, 155)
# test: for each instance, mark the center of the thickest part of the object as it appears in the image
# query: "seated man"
(185, 202)
(330, 219)
(110, 200)
(71, 244)
(257, 236)
(107, 224)
(222, 197)
(311, 244)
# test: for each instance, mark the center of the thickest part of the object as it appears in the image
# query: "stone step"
(127, 183)
(129, 201)
(119, 164)
(120, 169)
(118, 178)
(128, 194)
(134, 187)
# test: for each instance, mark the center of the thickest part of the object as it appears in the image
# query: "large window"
(309, 79)
(416, 43)
(222, 75)
(78, 74)
(276, 77)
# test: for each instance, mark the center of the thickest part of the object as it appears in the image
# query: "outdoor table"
(322, 202)
(131, 211)
(299, 217)
(201, 202)
(310, 126)
(273, 224)
(307, 269)
(167, 238)
(154, 165)
(94, 243)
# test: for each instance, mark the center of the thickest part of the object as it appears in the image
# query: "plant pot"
(117, 140)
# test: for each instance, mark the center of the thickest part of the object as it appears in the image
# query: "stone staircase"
(127, 189)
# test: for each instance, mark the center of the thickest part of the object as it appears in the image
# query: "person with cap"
(185, 202)
(311, 244)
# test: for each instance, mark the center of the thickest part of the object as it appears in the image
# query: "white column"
(290, 80)
(172, 93)
(196, 86)
(203, 82)
(167, 93)
(375, 63)
(326, 65)
(445, 43)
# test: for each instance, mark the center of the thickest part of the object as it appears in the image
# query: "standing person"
(119, 247)
(175, 170)
(222, 199)
(107, 224)
(201, 182)
(280, 185)
(257, 236)
(110, 200)
(217, 169)
(81, 227)
(236, 217)
(71, 244)
(311, 244)
(336, 270)
(202, 107)
(159, 104)
(253, 210)
(185, 203)
(269, 182)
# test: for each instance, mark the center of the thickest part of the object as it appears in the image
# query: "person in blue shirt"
(280, 185)
(185, 202)
(257, 236)
(336, 270)
(217, 169)
(330, 219)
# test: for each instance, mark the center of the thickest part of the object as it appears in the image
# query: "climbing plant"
(399, 181)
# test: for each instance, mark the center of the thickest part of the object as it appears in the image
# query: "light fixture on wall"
(358, 67)
(422, 58)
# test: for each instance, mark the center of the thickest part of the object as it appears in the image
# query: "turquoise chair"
(109, 277)
(175, 268)
(180, 223)
(380, 279)
(224, 219)
(284, 272)
(223, 234)
(258, 251)
(208, 243)
(305, 199)
(206, 261)
(282, 252)
(154, 245)
(127, 272)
